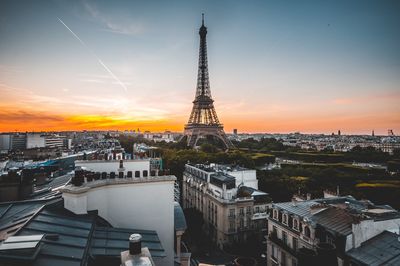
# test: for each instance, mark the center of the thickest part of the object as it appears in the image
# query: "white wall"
(113, 166)
(138, 205)
(249, 178)
(35, 141)
(368, 228)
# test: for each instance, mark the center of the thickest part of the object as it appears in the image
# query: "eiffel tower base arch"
(194, 133)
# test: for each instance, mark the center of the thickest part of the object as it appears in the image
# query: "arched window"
(295, 224)
(307, 231)
(284, 219)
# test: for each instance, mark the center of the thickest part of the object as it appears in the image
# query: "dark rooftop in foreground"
(383, 249)
(68, 239)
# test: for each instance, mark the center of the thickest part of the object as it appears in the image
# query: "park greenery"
(314, 172)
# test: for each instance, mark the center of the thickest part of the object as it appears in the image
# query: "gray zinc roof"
(69, 239)
(301, 208)
(383, 249)
(335, 219)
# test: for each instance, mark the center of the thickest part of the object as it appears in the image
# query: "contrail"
(98, 58)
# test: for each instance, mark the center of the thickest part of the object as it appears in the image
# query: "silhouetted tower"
(203, 120)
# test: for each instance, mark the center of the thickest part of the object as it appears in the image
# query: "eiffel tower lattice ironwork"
(203, 120)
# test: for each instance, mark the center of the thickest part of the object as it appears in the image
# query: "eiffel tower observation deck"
(203, 120)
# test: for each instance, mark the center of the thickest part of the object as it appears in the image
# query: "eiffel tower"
(203, 120)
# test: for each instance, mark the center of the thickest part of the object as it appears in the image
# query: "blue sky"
(275, 66)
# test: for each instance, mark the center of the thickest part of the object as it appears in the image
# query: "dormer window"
(307, 231)
(295, 224)
(285, 219)
(275, 214)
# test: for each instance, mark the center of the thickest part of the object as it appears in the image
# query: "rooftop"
(383, 249)
(68, 239)
(337, 213)
(116, 181)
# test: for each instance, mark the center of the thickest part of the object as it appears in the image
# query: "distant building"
(35, 140)
(18, 141)
(5, 142)
(232, 207)
(235, 131)
(324, 231)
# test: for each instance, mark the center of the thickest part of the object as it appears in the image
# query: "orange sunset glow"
(103, 67)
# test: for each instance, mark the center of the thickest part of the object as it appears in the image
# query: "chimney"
(135, 244)
(294, 202)
(136, 255)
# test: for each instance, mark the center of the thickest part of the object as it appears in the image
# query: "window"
(274, 230)
(294, 262)
(231, 212)
(284, 219)
(307, 231)
(145, 173)
(257, 209)
(232, 226)
(284, 237)
(241, 223)
(295, 243)
(248, 209)
(275, 214)
(295, 224)
(274, 252)
(241, 211)
(283, 258)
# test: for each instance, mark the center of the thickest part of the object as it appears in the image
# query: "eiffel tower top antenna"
(202, 19)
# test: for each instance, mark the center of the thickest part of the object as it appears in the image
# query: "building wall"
(35, 140)
(223, 218)
(5, 142)
(140, 205)
(249, 178)
(18, 141)
(369, 228)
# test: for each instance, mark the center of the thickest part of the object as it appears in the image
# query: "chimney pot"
(135, 244)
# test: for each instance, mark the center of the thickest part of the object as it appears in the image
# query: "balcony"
(231, 216)
(260, 215)
(285, 246)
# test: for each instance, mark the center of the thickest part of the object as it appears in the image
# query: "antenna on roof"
(202, 19)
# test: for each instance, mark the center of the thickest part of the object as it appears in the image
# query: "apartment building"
(304, 232)
(233, 208)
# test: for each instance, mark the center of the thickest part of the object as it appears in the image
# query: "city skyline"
(274, 67)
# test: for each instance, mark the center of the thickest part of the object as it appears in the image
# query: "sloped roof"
(335, 219)
(69, 239)
(179, 218)
(383, 249)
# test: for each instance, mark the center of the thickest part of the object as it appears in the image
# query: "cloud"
(118, 25)
(21, 116)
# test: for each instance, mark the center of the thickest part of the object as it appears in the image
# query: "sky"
(275, 66)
